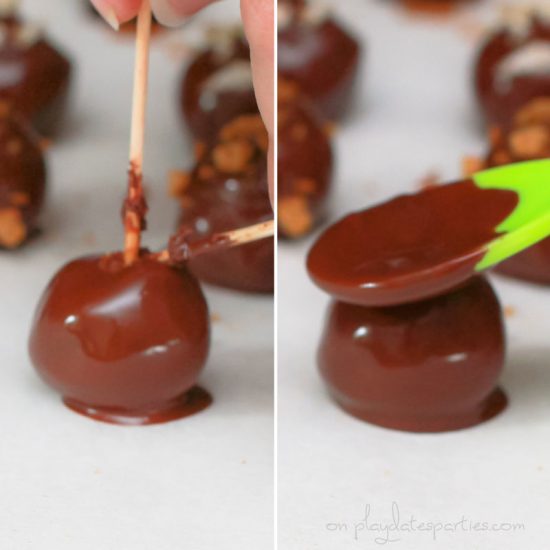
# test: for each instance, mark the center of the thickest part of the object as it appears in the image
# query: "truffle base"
(490, 407)
(188, 404)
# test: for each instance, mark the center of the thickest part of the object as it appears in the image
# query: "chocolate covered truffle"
(34, 75)
(513, 68)
(305, 164)
(428, 366)
(123, 343)
(319, 55)
(228, 189)
(22, 179)
(528, 138)
(414, 338)
(217, 86)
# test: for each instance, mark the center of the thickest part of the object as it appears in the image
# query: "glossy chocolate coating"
(34, 76)
(305, 164)
(216, 88)
(22, 179)
(410, 248)
(499, 101)
(218, 199)
(322, 58)
(123, 344)
(430, 366)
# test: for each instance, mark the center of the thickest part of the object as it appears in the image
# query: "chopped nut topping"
(495, 135)
(471, 165)
(186, 202)
(330, 128)
(509, 311)
(500, 157)
(178, 182)
(287, 90)
(306, 186)
(200, 150)
(295, 217)
(19, 198)
(233, 157)
(537, 110)
(431, 179)
(45, 144)
(530, 142)
(14, 147)
(248, 126)
(299, 132)
(206, 172)
(5, 109)
(12, 228)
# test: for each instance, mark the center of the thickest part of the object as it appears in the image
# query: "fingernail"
(108, 13)
(166, 14)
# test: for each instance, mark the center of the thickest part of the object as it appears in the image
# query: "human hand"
(258, 19)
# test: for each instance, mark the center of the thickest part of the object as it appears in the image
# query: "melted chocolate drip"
(134, 207)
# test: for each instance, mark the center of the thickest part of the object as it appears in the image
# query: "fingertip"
(116, 12)
(174, 12)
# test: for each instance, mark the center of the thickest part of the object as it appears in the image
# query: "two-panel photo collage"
(275, 274)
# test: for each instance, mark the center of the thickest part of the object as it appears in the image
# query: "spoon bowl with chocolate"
(414, 338)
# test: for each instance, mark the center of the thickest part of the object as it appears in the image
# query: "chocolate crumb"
(295, 218)
(178, 182)
(13, 230)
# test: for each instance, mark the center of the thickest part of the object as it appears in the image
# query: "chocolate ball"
(305, 164)
(22, 179)
(319, 55)
(34, 76)
(512, 69)
(123, 344)
(226, 190)
(217, 86)
(429, 366)
(527, 139)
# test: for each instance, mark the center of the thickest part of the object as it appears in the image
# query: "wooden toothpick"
(180, 250)
(135, 207)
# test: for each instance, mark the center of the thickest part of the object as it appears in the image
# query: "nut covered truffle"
(226, 190)
(22, 179)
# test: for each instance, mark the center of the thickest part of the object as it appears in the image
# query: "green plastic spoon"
(529, 223)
